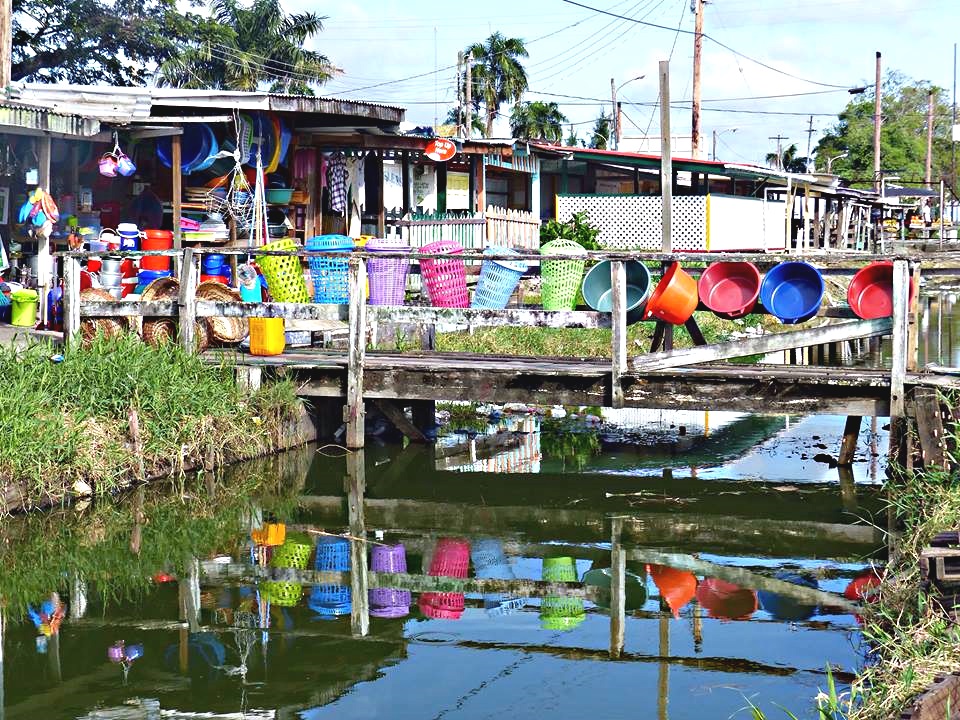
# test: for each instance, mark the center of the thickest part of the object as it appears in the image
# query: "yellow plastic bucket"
(23, 311)
(266, 336)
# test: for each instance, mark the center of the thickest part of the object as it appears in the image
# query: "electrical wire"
(673, 48)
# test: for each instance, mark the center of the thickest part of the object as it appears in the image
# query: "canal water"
(725, 525)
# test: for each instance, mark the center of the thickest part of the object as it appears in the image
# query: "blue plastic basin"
(792, 291)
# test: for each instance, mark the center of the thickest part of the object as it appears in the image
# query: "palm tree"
(600, 136)
(498, 76)
(789, 161)
(456, 116)
(572, 140)
(254, 45)
(537, 121)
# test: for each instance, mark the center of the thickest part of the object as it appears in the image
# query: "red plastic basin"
(870, 294)
(730, 289)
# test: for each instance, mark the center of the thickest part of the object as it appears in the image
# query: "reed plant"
(106, 415)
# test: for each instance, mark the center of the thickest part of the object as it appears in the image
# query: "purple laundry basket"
(389, 602)
(387, 276)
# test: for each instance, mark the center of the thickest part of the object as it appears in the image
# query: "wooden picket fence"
(512, 228)
(497, 226)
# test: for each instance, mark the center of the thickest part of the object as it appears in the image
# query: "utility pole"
(616, 115)
(459, 93)
(619, 122)
(6, 44)
(809, 139)
(697, 7)
(877, 120)
(666, 160)
(468, 105)
(928, 170)
(779, 138)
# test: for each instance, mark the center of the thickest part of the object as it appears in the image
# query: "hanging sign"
(440, 150)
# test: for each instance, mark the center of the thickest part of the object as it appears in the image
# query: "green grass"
(68, 424)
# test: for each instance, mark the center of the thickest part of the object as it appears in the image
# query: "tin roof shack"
(716, 206)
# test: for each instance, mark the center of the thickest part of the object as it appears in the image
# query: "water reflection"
(479, 605)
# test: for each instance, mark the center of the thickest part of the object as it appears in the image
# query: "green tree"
(498, 75)
(257, 44)
(789, 161)
(99, 41)
(537, 121)
(600, 135)
(572, 140)
(456, 116)
(903, 134)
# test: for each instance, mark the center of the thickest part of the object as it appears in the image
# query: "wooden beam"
(666, 158)
(382, 210)
(405, 179)
(396, 416)
(930, 429)
(913, 334)
(763, 344)
(479, 317)
(71, 300)
(186, 303)
(354, 411)
(618, 283)
(177, 189)
(898, 369)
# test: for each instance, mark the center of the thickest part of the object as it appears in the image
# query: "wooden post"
(913, 333)
(666, 159)
(848, 446)
(354, 410)
(44, 259)
(618, 283)
(356, 486)
(405, 179)
(898, 369)
(6, 62)
(313, 202)
(71, 300)
(441, 174)
(930, 429)
(187, 302)
(382, 210)
(618, 591)
(177, 191)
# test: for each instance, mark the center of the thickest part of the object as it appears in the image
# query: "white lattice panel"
(633, 222)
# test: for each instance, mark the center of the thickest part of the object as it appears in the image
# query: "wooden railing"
(188, 308)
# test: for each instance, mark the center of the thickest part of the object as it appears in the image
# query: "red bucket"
(730, 289)
(156, 240)
(870, 294)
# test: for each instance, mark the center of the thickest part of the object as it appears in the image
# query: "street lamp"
(718, 134)
(884, 179)
(614, 89)
(835, 157)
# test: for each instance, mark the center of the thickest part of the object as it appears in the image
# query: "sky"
(808, 49)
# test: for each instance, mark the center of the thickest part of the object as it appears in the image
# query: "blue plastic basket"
(792, 291)
(330, 276)
(332, 554)
(498, 279)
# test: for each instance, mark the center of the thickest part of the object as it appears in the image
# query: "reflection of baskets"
(498, 279)
(331, 600)
(561, 613)
(389, 602)
(489, 561)
(445, 278)
(270, 534)
(560, 279)
(388, 276)
(451, 558)
(284, 594)
(330, 276)
(283, 273)
(333, 554)
(442, 606)
(222, 329)
(294, 553)
(559, 569)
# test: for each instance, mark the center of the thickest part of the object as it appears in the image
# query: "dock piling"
(354, 414)
(618, 282)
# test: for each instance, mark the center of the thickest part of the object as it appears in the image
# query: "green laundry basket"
(560, 279)
(284, 273)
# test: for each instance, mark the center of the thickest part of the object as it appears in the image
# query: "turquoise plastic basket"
(498, 279)
(331, 277)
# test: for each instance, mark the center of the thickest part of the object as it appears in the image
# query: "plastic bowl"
(792, 291)
(870, 294)
(730, 289)
(675, 297)
(279, 196)
(598, 293)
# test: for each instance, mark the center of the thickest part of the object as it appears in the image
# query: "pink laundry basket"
(445, 278)
(388, 276)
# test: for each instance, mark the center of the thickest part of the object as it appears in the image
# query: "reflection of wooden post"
(618, 592)
(848, 488)
(78, 596)
(354, 411)
(189, 587)
(848, 446)
(53, 656)
(663, 675)
(356, 485)
(697, 627)
(618, 283)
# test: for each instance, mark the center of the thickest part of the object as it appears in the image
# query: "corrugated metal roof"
(121, 105)
(32, 120)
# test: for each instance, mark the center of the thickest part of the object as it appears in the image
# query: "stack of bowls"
(111, 275)
(215, 268)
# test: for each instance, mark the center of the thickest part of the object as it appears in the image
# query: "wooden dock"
(695, 378)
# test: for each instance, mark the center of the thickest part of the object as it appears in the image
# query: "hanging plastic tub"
(498, 279)
(330, 600)
(331, 276)
(675, 297)
(389, 602)
(561, 613)
(490, 562)
(786, 608)
(23, 311)
(559, 569)
(870, 294)
(283, 273)
(442, 606)
(560, 279)
(445, 278)
(281, 594)
(730, 289)
(598, 293)
(195, 145)
(726, 601)
(387, 277)
(792, 291)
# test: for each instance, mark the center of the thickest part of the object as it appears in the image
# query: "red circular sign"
(440, 150)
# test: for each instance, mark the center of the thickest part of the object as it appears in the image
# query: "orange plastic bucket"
(155, 240)
(675, 297)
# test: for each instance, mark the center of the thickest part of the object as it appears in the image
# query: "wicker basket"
(157, 331)
(108, 327)
(228, 330)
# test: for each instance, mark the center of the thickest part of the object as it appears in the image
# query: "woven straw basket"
(227, 330)
(108, 327)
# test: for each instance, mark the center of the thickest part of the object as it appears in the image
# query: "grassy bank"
(119, 411)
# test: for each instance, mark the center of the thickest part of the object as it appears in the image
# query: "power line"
(712, 39)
